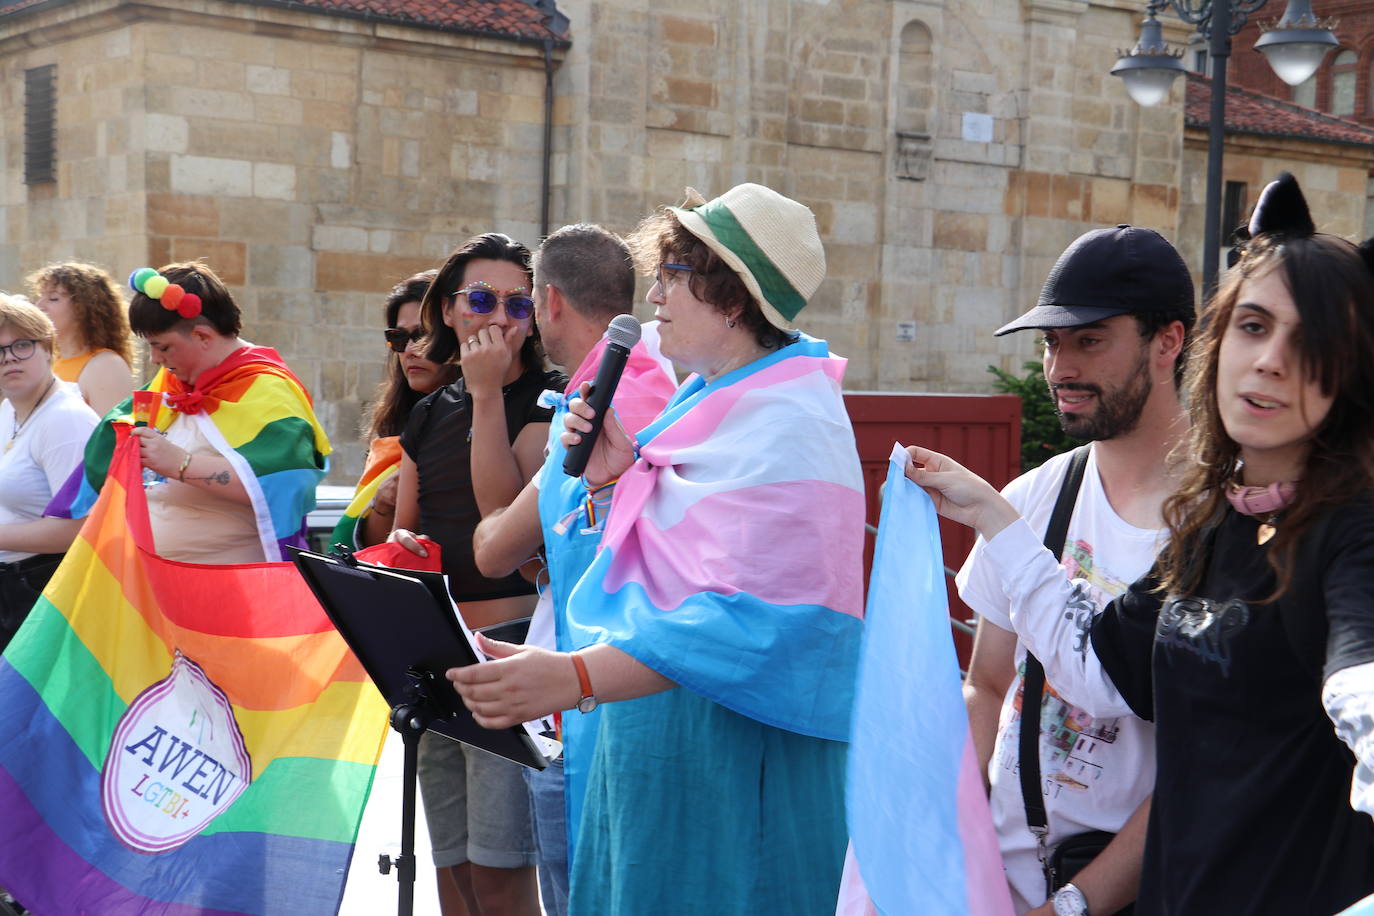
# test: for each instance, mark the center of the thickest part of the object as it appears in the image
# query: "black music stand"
(405, 630)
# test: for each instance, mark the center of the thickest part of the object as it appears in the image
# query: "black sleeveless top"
(438, 438)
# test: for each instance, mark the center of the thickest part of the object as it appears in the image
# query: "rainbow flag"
(921, 834)
(383, 463)
(256, 413)
(179, 739)
(707, 572)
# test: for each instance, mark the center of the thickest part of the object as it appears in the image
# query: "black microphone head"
(624, 331)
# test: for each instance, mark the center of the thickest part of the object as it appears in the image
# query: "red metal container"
(981, 432)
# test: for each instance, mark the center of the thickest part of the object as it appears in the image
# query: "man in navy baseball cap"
(1105, 274)
(1115, 314)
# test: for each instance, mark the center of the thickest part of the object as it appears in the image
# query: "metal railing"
(961, 626)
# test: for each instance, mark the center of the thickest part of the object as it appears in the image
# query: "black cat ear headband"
(1281, 212)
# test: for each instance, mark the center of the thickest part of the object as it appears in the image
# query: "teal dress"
(694, 809)
(725, 794)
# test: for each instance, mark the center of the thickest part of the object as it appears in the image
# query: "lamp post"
(1294, 47)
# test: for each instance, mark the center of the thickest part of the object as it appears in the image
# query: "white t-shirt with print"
(36, 461)
(1095, 772)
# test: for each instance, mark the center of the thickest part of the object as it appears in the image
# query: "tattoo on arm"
(221, 478)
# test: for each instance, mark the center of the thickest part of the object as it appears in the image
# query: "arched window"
(1305, 93)
(1343, 83)
(915, 84)
(915, 101)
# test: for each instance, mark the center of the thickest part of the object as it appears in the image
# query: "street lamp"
(1294, 47)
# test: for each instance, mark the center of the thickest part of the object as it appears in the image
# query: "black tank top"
(438, 438)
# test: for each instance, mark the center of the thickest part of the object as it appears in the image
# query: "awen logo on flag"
(920, 831)
(179, 739)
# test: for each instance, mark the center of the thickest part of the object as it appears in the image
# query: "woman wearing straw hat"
(719, 625)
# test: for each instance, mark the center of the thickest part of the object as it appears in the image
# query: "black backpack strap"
(1033, 686)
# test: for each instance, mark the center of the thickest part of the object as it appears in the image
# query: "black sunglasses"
(399, 338)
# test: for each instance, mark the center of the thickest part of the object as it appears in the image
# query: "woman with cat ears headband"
(1251, 643)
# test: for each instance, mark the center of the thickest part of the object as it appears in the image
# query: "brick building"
(317, 151)
(1331, 158)
(1342, 85)
(1322, 131)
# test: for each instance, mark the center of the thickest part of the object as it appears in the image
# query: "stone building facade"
(317, 151)
(950, 151)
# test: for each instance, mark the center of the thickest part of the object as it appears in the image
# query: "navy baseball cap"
(1107, 272)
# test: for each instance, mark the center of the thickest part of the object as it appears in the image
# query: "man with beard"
(1115, 312)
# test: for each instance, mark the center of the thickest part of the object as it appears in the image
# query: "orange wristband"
(584, 680)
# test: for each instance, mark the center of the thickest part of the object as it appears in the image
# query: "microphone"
(622, 334)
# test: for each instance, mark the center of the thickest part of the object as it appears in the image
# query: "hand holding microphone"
(583, 422)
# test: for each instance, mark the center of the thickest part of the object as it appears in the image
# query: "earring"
(729, 322)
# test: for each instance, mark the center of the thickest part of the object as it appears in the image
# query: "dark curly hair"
(394, 397)
(98, 307)
(441, 343)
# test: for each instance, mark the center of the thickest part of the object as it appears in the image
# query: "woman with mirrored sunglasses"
(486, 426)
(409, 377)
(44, 423)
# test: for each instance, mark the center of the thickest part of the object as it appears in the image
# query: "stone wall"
(95, 209)
(949, 151)
(1333, 178)
(312, 161)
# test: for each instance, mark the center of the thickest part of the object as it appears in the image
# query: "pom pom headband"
(173, 297)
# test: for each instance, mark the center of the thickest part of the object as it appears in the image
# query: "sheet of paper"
(535, 728)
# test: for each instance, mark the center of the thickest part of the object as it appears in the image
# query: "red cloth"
(397, 557)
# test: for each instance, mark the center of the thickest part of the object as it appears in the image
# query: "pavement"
(368, 892)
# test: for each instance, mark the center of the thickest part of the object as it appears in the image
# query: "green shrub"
(1041, 436)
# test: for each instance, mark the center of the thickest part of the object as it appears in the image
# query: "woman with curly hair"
(94, 346)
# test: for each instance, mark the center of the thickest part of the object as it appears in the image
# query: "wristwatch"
(584, 680)
(1069, 901)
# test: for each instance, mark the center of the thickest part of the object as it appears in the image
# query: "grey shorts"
(476, 805)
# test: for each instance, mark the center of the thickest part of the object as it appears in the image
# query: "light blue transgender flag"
(732, 560)
(920, 830)
(1364, 908)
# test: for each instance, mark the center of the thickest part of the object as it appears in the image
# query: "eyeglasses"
(482, 300)
(398, 339)
(663, 281)
(20, 349)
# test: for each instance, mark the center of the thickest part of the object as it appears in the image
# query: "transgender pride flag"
(920, 831)
(732, 560)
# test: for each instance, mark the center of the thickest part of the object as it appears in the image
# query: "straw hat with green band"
(769, 240)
